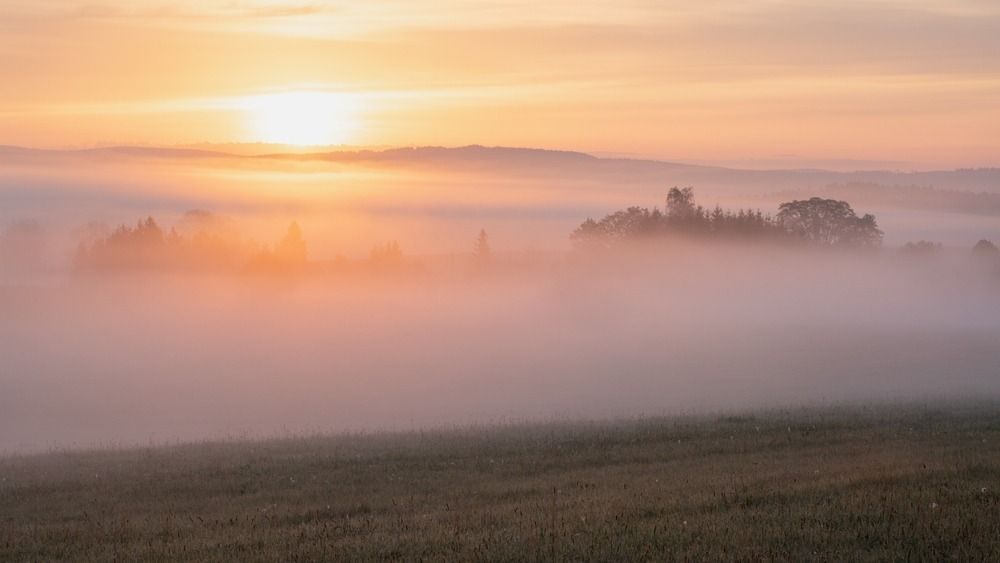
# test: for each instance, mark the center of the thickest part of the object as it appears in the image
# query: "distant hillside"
(909, 197)
(473, 154)
(571, 165)
(9, 152)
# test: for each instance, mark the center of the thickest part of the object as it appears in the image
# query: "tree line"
(215, 247)
(148, 246)
(818, 221)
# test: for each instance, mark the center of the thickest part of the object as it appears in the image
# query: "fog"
(541, 332)
(433, 200)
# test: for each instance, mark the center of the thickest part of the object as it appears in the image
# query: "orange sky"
(914, 81)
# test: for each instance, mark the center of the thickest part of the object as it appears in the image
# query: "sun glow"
(303, 118)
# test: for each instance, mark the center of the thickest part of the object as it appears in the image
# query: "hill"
(570, 164)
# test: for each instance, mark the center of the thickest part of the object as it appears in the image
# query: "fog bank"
(133, 358)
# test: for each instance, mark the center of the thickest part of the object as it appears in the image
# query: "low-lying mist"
(372, 311)
(132, 358)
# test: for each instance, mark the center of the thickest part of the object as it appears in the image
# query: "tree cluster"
(986, 249)
(819, 221)
(922, 248)
(829, 222)
(146, 246)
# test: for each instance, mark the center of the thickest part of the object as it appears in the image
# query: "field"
(852, 483)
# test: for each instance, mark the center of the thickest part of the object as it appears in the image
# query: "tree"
(389, 254)
(921, 247)
(829, 222)
(627, 223)
(682, 217)
(146, 233)
(481, 249)
(680, 203)
(292, 248)
(142, 246)
(985, 248)
(589, 235)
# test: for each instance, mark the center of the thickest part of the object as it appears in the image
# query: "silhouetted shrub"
(386, 255)
(481, 251)
(986, 248)
(921, 248)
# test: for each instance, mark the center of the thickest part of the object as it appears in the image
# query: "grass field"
(876, 483)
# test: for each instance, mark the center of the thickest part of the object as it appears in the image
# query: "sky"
(915, 82)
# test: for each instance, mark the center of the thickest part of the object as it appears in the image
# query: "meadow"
(917, 482)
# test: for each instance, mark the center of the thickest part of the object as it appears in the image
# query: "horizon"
(791, 163)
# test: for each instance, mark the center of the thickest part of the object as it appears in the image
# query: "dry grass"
(885, 483)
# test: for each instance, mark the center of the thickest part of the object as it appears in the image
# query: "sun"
(303, 118)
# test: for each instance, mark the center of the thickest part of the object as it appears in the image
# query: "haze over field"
(223, 218)
(162, 357)
(434, 199)
(130, 344)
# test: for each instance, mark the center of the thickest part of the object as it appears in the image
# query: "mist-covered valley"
(155, 298)
(722, 284)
